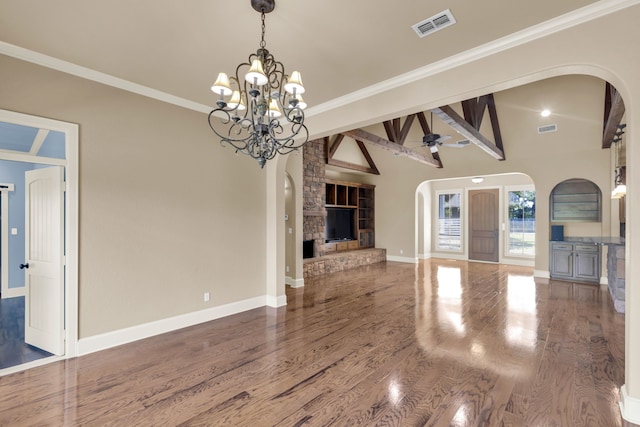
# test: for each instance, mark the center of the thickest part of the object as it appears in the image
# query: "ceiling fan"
(433, 140)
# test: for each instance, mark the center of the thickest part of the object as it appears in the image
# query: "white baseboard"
(450, 255)
(402, 259)
(542, 274)
(146, 330)
(13, 292)
(29, 365)
(629, 406)
(523, 262)
(275, 302)
(604, 281)
(294, 283)
(424, 256)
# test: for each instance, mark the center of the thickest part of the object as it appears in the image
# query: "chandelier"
(263, 115)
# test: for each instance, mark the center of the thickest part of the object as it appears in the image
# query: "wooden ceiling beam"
(362, 135)
(460, 125)
(423, 123)
(389, 129)
(495, 125)
(405, 128)
(372, 166)
(473, 110)
(331, 149)
(613, 112)
(398, 134)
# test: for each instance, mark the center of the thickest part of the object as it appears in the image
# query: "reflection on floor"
(13, 350)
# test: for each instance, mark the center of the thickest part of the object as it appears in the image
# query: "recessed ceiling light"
(545, 113)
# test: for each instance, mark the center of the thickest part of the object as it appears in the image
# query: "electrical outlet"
(287, 268)
(207, 296)
(401, 251)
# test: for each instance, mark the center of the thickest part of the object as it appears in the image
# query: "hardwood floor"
(443, 343)
(13, 350)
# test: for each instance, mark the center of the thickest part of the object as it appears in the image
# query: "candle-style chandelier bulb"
(222, 86)
(255, 75)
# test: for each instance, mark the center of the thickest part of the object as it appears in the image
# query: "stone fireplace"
(315, 216)
(314, 212)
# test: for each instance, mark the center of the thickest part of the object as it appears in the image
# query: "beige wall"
(293, 210)
(166, 214)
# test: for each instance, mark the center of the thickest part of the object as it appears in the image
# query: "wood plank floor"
(441, 343)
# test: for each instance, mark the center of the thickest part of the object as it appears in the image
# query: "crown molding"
(568, 20)
(554, 25)
(97, 76)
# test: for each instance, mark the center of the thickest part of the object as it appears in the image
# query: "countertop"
(604, 240)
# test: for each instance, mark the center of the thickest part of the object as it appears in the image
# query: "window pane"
(522, 223)
(449, 232)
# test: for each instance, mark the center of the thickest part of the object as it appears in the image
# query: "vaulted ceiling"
(174, 50)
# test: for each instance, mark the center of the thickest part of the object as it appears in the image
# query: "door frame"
(6, 292)
(70, 164)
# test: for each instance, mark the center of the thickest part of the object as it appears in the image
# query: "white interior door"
(44, 243)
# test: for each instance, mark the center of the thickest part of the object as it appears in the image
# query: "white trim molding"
(275, 302)
(450, 255)
(542, 274)
(97, 76)
(70, 163)
(560, 23)
(294, 283)
(146, 330)
(523, 262)
(402, 259)
(629, 406)
(13, 292)
(6, 291)
(29, 365)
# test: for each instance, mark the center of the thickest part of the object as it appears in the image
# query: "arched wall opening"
(431, 231)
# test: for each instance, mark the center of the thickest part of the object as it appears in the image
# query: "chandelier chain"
(263, 44)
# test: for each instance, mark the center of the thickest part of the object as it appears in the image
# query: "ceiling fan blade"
(443, 138)
(458, 144)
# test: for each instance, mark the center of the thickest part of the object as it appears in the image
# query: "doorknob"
(24, 266)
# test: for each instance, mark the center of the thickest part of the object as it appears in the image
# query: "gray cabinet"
(575, 261)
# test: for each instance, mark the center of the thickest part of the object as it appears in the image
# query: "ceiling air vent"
(435, 23)
(547, 128)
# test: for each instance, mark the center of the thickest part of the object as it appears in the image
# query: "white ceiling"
(178, 47)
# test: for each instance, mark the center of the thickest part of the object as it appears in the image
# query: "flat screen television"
(341, 224)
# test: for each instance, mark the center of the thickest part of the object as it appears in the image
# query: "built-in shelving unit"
(576, 200)
(360, 198)
(366, 227)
